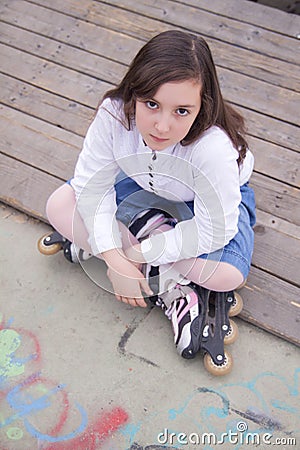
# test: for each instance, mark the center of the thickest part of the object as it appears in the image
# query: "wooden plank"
(38, 144)
(275, 161)
(87, 90)
(111, 71)
(256, 14)
(241, 60)
(78, 33)
(264, 127)
(25, 188)
(277, 253)
(257, 95)
(225, 29)
(62, 54)
(51, 108)
(54, 78)
(55, 151)
(228, 85)
(270, 160)
(276, 198)
(275, 223)
(271, 129)
(272, 304)
(75, 117)
(258, 66)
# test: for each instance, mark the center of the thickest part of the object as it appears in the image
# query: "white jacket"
(205, 171)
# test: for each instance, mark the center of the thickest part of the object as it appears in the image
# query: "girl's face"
(166, 119)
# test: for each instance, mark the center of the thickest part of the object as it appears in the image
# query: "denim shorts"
(132, 199)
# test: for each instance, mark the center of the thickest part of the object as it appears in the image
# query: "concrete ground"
(80, 371)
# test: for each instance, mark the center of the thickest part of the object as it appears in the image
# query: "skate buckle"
(205, 331)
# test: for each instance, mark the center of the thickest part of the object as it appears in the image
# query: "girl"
(162, 181)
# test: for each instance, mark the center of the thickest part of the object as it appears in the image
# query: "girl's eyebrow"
(186, 106)
(179, 106)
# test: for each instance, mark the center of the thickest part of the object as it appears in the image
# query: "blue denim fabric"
(132, 199)
(238, 252)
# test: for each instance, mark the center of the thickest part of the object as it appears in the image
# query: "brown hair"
(177, 56)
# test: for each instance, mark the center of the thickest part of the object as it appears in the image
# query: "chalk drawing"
(14, 433)
(26, 399)
(210, 410)
(101, 429)
(10, 341)
(269, 402)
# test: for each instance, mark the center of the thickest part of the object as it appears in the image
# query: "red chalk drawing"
(107, 423)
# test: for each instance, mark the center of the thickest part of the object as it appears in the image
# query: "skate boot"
(186, 317)
(52, 243)
(172, 292)
(218, 329)
(201, 319)
(180, 303)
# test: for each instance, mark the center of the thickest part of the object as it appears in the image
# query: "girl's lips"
(157, 139)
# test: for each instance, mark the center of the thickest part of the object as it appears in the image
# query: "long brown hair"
(177, 56)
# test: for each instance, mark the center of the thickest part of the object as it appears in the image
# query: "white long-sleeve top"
(205, 171)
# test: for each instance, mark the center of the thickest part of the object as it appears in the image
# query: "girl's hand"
(135, 256)
(128, 282)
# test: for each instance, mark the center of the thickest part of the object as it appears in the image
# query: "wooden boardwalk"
(59, 57)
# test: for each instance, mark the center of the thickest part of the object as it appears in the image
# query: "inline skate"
(52, 243)
(201, 319)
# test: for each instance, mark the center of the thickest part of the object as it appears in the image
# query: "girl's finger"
(141, 302)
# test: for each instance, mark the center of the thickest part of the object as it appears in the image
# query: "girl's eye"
(182, 112)
(151, 105)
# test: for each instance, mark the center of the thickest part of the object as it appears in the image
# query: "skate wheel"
(48, 249)
(218, 369)
(237, 305)
(232, 334)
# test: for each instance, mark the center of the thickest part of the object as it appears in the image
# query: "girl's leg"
(64, 217)
(215, 276)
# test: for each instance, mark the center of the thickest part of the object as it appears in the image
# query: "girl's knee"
(226, 278)
(51, 206)
(230, 278)
(59, 203)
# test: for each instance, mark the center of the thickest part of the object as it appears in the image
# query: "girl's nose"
(162, 124)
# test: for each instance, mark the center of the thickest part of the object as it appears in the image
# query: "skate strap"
(147, 221)
(178, 292)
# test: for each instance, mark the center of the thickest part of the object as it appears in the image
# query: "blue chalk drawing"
(219, 413)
